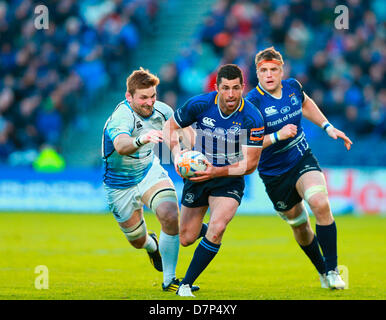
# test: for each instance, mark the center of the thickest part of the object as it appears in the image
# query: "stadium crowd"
(342, 70)
(48, 77)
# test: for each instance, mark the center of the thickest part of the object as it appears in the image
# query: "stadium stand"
(50, 78)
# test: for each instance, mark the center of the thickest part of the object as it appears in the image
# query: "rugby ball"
(190, 162)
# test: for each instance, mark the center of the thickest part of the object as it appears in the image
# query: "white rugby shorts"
(123, 202)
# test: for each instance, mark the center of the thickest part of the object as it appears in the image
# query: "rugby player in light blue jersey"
(133, 175)
(288, 168)
(230, 134)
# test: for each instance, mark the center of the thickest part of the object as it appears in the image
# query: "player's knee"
(167, 212)
(217, 229)
(186, 239)
(188, 234)
(317, 197)
(319, 202)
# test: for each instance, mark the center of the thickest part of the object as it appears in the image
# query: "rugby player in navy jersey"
(288, 168)
(230, 134)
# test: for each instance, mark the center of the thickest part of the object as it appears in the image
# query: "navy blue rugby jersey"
(220, 136)
(278, 112)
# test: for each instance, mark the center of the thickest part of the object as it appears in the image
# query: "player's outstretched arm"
(288, 131)
(312, 112)
(251, 158)
(124, 144)
(187, 137)
(171, 138)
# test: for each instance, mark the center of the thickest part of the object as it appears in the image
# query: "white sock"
(150, 245)
(169, 247)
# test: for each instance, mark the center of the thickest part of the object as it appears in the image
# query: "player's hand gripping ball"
(190, 162)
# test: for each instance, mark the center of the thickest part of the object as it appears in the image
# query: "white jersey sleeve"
(163, 109)
(121, 121)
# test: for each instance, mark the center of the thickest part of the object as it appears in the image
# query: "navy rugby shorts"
(196, 194)
(281, 189)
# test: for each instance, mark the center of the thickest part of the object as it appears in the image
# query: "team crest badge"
(189, 197)
(294, 100)
(281, 205)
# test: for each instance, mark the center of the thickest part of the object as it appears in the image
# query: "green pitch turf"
(88, 257)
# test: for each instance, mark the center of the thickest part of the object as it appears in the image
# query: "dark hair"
(268, 54)
(141, 79)
(229, 72)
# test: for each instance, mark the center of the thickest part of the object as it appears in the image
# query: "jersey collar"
(128, 105)
(260, 89)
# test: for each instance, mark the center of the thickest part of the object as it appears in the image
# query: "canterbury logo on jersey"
(270, 111)
(209, 122)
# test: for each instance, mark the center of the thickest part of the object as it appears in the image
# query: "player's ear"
(216, 87)
(129, 97)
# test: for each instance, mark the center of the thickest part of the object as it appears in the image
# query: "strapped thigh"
(314, 190)
(163, 195)
(300, 219)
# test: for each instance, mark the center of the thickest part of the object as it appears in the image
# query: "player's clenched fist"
(288, 131)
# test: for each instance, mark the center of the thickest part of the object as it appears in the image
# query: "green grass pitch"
(88, 257)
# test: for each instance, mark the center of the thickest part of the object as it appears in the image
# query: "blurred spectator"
(49, 77)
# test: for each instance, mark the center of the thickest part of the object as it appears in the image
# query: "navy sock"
(313, 253)
(203, 231)
(203, 255)
(327, 237)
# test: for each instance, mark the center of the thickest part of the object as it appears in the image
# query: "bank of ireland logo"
(285, 109)
(270, 111)
(209, 122)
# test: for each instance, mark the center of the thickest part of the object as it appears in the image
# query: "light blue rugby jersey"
(220, 136)
(278, 112)
(122, 172)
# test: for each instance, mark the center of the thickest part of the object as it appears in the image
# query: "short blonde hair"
(268, 54)
(140, 79)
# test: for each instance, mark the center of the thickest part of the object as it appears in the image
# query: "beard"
(144, 111)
